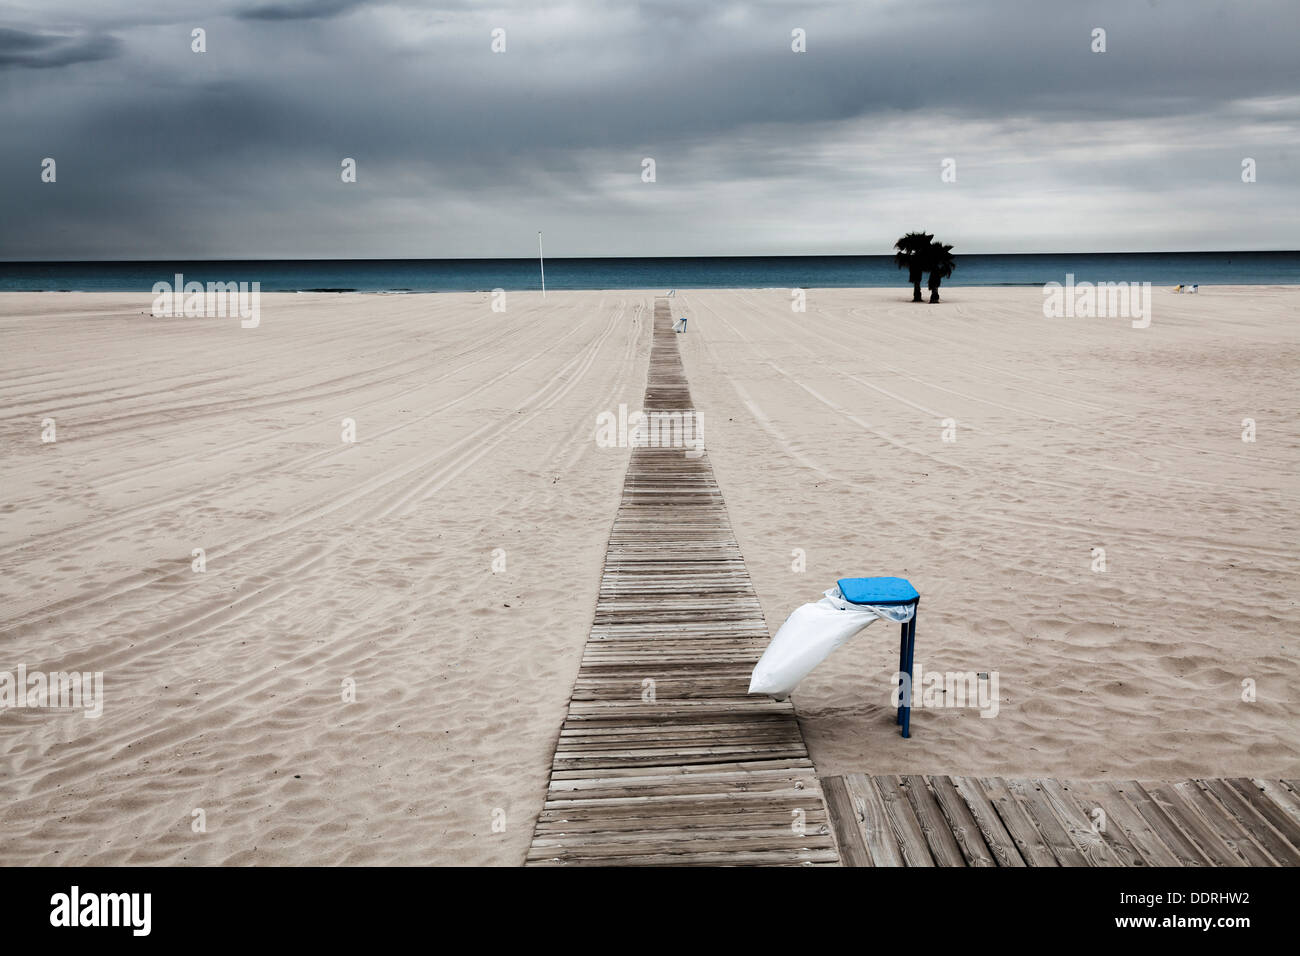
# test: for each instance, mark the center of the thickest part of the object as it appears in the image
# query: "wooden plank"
(1030, 796)
(671, 804)
(630, 794)
(1086, 832)
(1222, 822)
(996, 838)
(934, 825)
(1080, 827)
(902, 821)
(737, 817)
(638, 840)
(687, 826)
(799, 772)
(1189, 822)
(691, 858)
(1166, 827)
(873, 822)
(849, 838)
(1121, 824)
(1033, 848)
(1287, 802)
(956, 821)
(957, 815)
(1243, 810)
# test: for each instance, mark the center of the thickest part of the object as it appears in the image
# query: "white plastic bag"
(810, 634)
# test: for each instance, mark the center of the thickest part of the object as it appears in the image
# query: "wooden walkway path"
(664, 758)
(992, 821)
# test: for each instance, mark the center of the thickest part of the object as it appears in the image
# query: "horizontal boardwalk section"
(933, 820)
(664, 758)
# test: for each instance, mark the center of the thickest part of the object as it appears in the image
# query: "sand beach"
(361, 651)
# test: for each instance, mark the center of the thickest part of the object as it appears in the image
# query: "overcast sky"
(162, 152)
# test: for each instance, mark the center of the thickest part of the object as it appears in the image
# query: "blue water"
(471, 275)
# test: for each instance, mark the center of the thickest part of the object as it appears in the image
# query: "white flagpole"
(541, 262)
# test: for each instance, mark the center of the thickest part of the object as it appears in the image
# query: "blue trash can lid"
(878, 590)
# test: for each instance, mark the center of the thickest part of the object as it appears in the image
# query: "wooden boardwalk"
(992, 821)
(664, 758)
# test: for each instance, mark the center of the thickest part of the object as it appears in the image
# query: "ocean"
(475, 275)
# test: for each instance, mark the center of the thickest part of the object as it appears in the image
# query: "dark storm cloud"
(302, 10)
(462, 151)
(20, 48)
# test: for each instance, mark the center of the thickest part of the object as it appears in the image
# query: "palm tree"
(939, 263)
(911, 255)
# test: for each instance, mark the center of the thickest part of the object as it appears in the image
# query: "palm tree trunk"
(934, 292)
